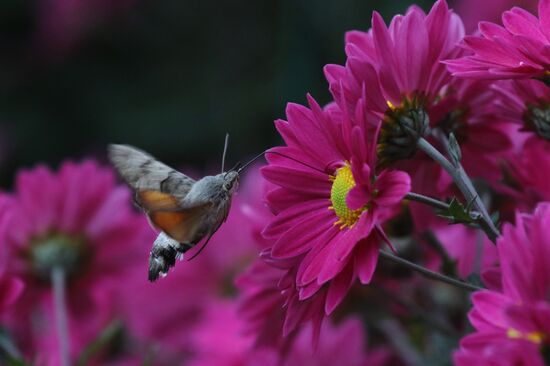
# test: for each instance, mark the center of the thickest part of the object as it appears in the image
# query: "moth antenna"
(280, 154)
(296, 160)
(225, 151)
(239, 170)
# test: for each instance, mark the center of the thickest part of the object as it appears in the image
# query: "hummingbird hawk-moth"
(183, 209)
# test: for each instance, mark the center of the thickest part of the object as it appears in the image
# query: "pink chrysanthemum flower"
(497, 353)
(62, 23)
(80, 221)
(398, 71)
(518, 50)
(342, 344)
(520, 311)
(10, 289)
(528, 174)
(400, 65)
(219, 341)
(525, 103)
(470, 248)
(471, 13)
(330, 210)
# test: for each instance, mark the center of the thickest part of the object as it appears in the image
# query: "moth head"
(230, 181)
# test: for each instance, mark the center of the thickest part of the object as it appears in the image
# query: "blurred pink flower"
(342, 344)
(62, 23)
(329, 214)
(528, 175)
(11, 287)
(520, 312)
(471, 13)
(270, 306)
(502, 352)
(519, 50)
(471, 249)
(218, 341)
(78, 220)
(526, 103)
(468, 110)
(10, 290)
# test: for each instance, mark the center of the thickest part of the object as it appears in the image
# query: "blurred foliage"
(170, 76)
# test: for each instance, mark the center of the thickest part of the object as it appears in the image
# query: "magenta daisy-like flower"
(218, 341)
(470, 248)
(518, 311)
(398, 71)
(400, 65)
(79, 221)
(525, 103)
(528, 174)
(520, 49)
(497, 353)
(329, 203)
(10, 290)
(471, 13)
(11, 287)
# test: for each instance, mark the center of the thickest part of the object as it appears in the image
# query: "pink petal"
(489, 306)
(302, 236)
(298, 180)
(357, 198)
(289, 217)
(392, 187)
(10, 289)
(338, 289)
(342, 247)
(544, 16)
(366, 260)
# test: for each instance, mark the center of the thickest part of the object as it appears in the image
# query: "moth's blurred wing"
(183, 225)
(157, 201)
(144, 173)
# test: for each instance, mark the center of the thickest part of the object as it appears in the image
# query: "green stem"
(61, 319)
(429, 273)
(464, 185)
(411, 196)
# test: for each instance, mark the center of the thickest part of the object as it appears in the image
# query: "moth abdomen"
(163, 255)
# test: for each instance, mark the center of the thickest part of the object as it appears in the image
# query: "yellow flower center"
(342, 183)
(535, 337)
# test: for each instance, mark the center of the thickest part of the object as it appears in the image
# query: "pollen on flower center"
(535, 337)
(342, 183)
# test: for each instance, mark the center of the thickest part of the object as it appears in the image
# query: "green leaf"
(16, 362)
(110, 335)
(458, 214)
(495, 218)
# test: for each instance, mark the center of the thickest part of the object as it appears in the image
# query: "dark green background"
(169, 76)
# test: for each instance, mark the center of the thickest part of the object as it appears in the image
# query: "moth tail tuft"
(160, 261)
(163, 256)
